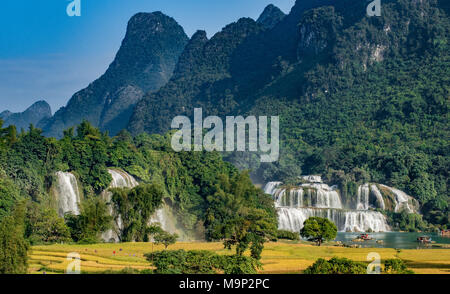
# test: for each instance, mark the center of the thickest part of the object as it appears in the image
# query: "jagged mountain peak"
(199, 35)
(271, 16)
(193, 53)
(150, 23)
(37, 112)
(40, 105)
(145, 62)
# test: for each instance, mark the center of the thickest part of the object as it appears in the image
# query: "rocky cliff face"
(270, 17)
(36, 113)
(145, 62)
(203, 71)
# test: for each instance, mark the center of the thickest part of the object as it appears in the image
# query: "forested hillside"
(359, 98)
(198, 186)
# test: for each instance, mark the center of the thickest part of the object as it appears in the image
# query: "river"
(393, 240)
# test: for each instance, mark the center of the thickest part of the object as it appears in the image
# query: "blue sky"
(45, 54)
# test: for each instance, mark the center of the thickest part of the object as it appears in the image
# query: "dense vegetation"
(13, 245)
(355, 95)
(201, 262)
(318, 230)
(210, 197)
(338, 265)
(135, 207)
(241, 215)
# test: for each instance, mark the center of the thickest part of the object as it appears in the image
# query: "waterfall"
(363, 197)
(401, 200)
(67, 193)
(296, 204)
(292, 219)
(270, 187)
(162, 217)
(121, 179)
(379, 198)
(311, 195)
(312, 179)
(323, 196)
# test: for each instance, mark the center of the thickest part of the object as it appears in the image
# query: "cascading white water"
(401, 200)
(376, 192)
(161, 217)
(270, 187)
(312, 179)
(292, 219)
(307, 195)
(121, 179)
(67, 193)
(295, 205)
(363, 197)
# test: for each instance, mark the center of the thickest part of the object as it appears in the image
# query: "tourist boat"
(424, 239)
(362, 238)
(365, 237)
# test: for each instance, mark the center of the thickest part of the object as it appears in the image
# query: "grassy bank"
(279, 258)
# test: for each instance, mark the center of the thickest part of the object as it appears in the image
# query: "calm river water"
(392, 240)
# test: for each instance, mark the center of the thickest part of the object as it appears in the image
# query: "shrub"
(288, 235)
(201, 262)
(336, 266)
(396, 266)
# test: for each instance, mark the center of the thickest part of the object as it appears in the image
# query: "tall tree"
(241, 215)
(318, 229)
(134, 207)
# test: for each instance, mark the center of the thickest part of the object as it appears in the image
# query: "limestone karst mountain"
(34, 114)
(144, 63)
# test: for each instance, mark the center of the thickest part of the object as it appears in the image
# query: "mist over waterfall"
(316, 199)
(67, 193)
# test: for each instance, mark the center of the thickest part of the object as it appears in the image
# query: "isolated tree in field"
(318, 229)
(165, 238)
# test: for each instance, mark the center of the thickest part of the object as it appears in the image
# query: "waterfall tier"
(307, 195)
(121, 179)
(292, 219)
(67, 193)
(402, 201)
(296, 204)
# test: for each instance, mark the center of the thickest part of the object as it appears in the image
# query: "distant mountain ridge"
(34, 114)
(144, 63)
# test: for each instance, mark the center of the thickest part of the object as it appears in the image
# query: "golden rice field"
(277, 258)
